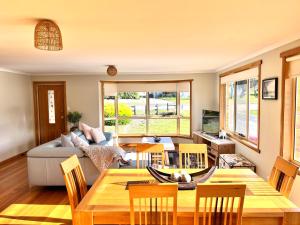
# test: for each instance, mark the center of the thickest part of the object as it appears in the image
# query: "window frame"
(222, 97)
(293, 120)
(147, 115)
(285, 65)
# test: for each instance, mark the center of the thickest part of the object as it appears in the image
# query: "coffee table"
(166, 141)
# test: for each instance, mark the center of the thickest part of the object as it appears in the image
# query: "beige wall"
(269, 119)
(83, 93)
(16, 115)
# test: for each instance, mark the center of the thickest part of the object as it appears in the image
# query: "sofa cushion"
(80, 134)
(59, 152)
(86, 130)
(103, 143)
(66, 141)
(77, 141)
(98, 135)
(108, 135)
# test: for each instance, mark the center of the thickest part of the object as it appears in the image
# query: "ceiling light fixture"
(111, 70)
(47, 36)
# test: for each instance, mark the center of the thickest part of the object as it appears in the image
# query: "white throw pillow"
(66, 141)
(77, 141)
(86, 130)
(97, 135)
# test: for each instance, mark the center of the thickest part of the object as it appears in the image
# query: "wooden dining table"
(107, 202)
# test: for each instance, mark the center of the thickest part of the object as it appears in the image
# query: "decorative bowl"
(197, 177)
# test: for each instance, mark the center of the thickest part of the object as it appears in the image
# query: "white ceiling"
(142, 36)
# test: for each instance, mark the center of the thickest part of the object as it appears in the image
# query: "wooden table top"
(108, 194)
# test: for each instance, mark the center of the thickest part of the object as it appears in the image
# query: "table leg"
(85, 218)
(167, 160)
(291, 218)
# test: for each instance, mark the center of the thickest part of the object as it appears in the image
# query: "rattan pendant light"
(47, 36)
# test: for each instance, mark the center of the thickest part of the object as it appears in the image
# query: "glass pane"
(162, 126)
(230, 106)
(185, 126)
(132, 126)
(132, 101)
(110, 126)
(109, 107)
(51, 106)
(297, 123)
(185, 104)
(241, 107)
(163, 103)
(253, 110)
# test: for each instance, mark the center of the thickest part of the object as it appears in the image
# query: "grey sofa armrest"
(108, 136)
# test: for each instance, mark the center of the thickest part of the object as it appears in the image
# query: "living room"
(178, 64)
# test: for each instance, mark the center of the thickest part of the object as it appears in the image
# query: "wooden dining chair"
(150, 154)
(193, 156)
(219, 204)
(153, 204)
(75, 181)
(283, 176)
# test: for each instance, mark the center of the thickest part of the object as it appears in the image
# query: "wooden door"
(50, 110)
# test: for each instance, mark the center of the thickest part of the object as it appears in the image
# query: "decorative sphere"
(186, 178)
(175, 177)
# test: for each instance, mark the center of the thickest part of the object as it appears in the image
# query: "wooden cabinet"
(215, 146)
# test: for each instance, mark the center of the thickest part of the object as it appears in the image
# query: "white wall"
(83, 93)
(270, 112)
(16, 115)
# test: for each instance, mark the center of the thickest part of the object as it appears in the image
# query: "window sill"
(247, 143)
(139, 136)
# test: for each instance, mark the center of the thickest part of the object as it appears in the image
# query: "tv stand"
(215, 146)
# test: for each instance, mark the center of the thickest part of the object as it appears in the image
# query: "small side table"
(235, 161)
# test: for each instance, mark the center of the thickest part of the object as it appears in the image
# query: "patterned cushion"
(98, 135)
(66, 141)
(86, 130)
(77, 141)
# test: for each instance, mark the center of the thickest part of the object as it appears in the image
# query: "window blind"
(243, 75)
(293, 66)
(111, 88)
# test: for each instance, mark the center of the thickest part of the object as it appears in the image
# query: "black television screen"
(210, 121)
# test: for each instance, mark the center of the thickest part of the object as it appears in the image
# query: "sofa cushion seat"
(103, 143)
(58, 152)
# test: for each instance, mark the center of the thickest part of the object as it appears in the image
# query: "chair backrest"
(75, 181)
(219, 204)
(283, 176)
(150, 154)
(153, 204)
(193, 156)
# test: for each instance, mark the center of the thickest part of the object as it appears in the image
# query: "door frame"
(35, 85)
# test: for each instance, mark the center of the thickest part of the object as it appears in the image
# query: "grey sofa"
(44, 162)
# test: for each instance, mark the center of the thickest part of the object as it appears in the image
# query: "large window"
(139, 108)
(290, 120)
(240, 108)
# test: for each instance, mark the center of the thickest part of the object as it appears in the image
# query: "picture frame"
(270, 89)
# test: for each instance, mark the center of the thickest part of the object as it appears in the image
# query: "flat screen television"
(210, 122)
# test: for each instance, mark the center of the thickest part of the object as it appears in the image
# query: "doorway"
(49, 110)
